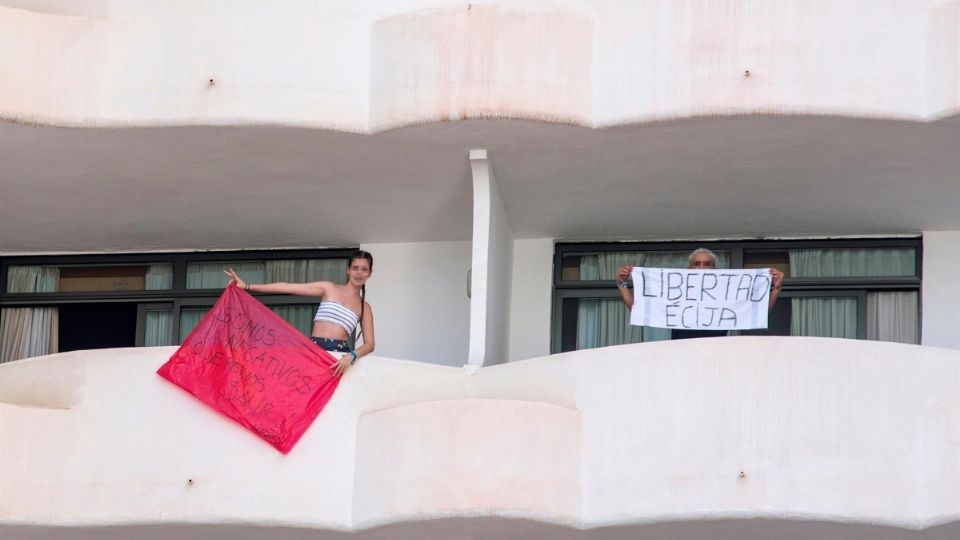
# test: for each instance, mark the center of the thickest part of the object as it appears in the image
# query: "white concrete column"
(941, 297)
(530, 298)
(491, 268)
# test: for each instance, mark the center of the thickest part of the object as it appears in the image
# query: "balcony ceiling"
(171, 188)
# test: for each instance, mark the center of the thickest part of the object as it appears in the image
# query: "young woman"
(342, 307)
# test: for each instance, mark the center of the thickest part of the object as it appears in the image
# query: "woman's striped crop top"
(337, 313)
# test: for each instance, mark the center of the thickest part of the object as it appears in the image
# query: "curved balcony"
(379, 65)
(728, 437)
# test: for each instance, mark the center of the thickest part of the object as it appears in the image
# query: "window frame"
(176, 297)
(792, 287)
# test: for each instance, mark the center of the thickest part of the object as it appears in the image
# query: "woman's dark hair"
(365, 255)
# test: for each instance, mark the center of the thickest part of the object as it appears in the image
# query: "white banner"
(700, 299)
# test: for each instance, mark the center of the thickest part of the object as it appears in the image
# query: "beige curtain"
(15, 328)
(34, 331)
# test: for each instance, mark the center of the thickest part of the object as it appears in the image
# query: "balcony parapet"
(776, 433)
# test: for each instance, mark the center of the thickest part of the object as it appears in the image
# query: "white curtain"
(158, 328)
(159, 277)
(33, 331)
(158, 323)
(211, 276)
(31, 279)
(15, 327)
(603, 266)
(891, 316)
(306, 270)
(299, 317)
(824, 317)
(606, 321)
(854, 262)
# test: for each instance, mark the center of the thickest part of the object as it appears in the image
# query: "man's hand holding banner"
(247, 363)
(700, 299)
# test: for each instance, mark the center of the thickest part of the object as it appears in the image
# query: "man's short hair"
(703, 251)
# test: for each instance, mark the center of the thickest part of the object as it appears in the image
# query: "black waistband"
(327, 344)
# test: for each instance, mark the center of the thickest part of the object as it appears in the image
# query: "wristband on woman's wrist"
(354, 355)
(247, 287)
(622, 284)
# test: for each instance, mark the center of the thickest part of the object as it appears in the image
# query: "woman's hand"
(342, 364)
(624, 272)
(235, 279)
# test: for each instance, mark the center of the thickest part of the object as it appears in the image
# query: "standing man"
(701, 258)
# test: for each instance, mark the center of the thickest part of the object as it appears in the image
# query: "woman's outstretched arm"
(316, 288)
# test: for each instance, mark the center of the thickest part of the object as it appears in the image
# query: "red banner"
(249, 364)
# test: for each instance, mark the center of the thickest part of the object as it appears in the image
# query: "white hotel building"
(500, 160)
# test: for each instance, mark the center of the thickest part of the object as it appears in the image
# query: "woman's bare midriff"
(328, 330)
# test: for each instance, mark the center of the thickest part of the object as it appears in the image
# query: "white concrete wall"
(492, 268)
(419, 296)
(371, 65)
(531, 300)
(943, 58)
(150, 64)
(940, 323)
(782, 429)
(482, 59)
(499, 274)
(448, 470)
(846, 57)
